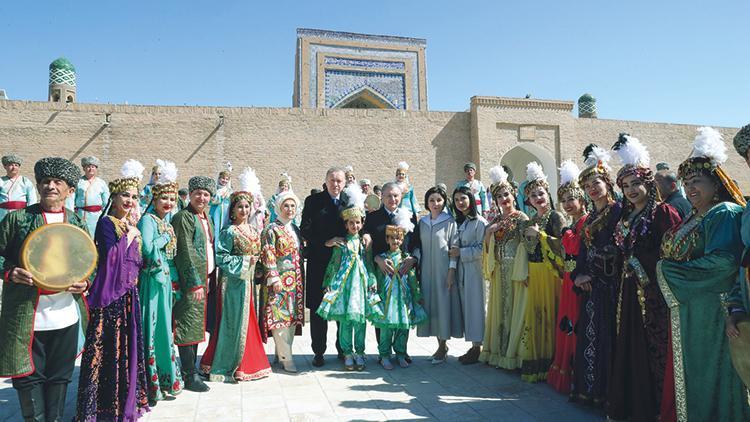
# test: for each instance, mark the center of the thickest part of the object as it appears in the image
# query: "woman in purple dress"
(112, 384)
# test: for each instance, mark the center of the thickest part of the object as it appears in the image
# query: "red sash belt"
(478, 201)
(90, 208)
(13, 205)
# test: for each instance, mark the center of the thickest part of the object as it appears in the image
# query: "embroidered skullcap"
(90, 161)
(57, 168)
(363, 182)
(662, 166)
(742, 141)
(12, 158)
(202, 182)
(183, 191)
(470, 165)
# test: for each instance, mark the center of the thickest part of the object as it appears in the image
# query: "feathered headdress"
(355, 202)
(709, 153)
(131, 175)
(536, 178)
(569, 172)
(249, 187)
(403, 165)
(597, 164)
(227, 172)
(499, 180)
(402, 223)
(635, 159)
(167, 182)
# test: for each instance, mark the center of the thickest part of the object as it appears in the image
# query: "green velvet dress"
(700, 259)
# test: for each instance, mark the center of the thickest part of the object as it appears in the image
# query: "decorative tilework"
(339, 84)
(62, 77)
(369, 64)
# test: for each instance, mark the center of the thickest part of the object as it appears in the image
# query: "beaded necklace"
(506, 224)
(596, 221)
(678, 243)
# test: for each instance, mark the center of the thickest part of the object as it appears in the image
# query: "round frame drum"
(372, 202)
(58, 255)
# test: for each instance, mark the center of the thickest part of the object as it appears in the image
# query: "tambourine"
(739, 348)
(58, 255)
(372, 202)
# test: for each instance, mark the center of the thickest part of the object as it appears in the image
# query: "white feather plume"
(633, 152)
(286, 176)
(534, 171)
(228, 166)
(249, 181)
(569, 172)
(598, 154)
(709, 143)
(498, 175)
(354, 196)
(402, 218)
(403, 165)
(349, 168)
(132, 169)
(168, 171)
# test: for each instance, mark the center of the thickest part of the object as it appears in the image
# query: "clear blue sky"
(664, 61)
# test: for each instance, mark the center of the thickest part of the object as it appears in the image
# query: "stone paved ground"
(446, 392)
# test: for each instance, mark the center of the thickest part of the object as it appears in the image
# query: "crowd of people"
(625, 295)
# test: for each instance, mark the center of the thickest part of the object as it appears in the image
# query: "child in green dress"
(350, 297)
(401, 296)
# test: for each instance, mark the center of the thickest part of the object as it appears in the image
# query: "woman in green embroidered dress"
(155, 287)
(700, 259)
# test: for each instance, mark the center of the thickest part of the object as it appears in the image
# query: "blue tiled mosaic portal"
(340, 83)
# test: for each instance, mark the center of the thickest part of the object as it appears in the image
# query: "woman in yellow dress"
(501, 251)
(542, 239)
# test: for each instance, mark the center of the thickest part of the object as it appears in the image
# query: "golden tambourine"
(58, 255)
(740, 351)
(372, 202)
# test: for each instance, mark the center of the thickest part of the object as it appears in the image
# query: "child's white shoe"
(359, 362)
(349, 363)
(402, 362)
(386, 364)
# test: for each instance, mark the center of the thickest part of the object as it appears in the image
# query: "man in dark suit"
(374, 226)
(322, 228)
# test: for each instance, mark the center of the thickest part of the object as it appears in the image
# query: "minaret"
(62, 81)
(587, 106)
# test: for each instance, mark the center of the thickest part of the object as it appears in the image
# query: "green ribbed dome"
(62, 64)
(586, 98)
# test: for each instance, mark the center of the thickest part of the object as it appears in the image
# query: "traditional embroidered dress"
(16, 194)
(637, 374)
(545, 270)
(480, 195)
(499, 259)
(596, 321)
(699, 265)
(560, 375)
(348, 281)
(155, 293)
(90, 199)
(409, 201)
(112, 384)
(400, 297)
(470, 279)
(239, 348)
(281, 259)
(219, 210)
(443, 306)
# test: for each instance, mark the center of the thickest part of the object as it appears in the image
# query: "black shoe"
(472, 356)
(195, 383)
(318, 361)
(32, 403)
(54, 401)
(407, 359)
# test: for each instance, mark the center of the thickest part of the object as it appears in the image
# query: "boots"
(54, 398)
(32, 403)
(194, 383)
(472, 356)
